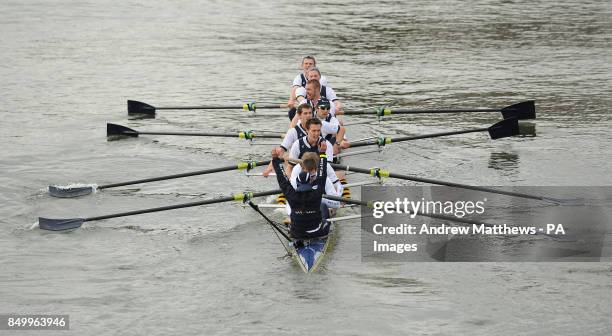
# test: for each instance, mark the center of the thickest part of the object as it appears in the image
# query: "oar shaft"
(409, 111)
(207, 134)
(179, 206)
(435, 135)
(464, 186)
(226, 107)
(242, 165)
(439, 182)
(415, 137)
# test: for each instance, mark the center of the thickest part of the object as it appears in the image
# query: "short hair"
(314, 82)
(313, 121)
(310, 58)
(314, 68)
(301, 108)
(310, 161)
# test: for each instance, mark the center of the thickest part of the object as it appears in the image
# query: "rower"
(304, 113)
(309, 214)
(325, 90)
(310, 143)
(301, 79)
(311, 95)
(331, 129)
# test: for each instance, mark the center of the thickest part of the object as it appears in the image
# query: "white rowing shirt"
(330, 94)
(330, 125)
(302, 146)
(293, 135)
(300, 80)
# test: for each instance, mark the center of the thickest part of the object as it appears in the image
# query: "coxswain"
(309, 214)
(303, 175)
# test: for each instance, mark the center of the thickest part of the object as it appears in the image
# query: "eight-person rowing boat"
(312, 191)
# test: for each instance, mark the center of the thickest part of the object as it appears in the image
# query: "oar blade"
(505, 128)
(521, 111)
(69, 192)
(59, 224)
(136, 107)
(114, 131)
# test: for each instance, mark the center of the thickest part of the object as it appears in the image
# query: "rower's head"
(323, 107)
(307, 62)
(313, 129)
(313, 73)
(307, 176)
(310, 161)
(304, 112)
(313, 89)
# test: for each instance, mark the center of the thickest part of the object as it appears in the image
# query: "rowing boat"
(310, 253)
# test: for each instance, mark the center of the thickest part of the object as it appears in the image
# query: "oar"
(523, 110)
(502, 129)
(376, 172)
(73, 223)
(115, 131)
(136, 107)
(67, 192)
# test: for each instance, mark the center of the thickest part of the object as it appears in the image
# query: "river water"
(68, 67)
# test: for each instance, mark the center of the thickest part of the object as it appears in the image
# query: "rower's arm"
(291, 101)
(331, 190)
(338, 105)
(322, 171)
(283, 180)
(340, 134)
(294, 121)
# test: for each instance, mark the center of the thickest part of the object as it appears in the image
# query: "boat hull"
(311, 254)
